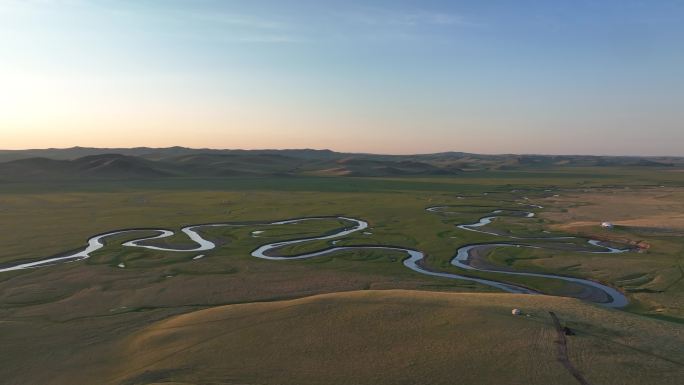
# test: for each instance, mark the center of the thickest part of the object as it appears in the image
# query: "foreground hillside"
(388, 337)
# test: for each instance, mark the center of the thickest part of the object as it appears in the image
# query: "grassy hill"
(380, 337)
(93, 166)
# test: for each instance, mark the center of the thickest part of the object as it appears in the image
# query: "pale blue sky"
(598, 77)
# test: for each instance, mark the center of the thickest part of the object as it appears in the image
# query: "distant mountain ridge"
(146, 152)
(144, 162)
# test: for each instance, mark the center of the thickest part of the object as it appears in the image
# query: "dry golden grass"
(657, 208)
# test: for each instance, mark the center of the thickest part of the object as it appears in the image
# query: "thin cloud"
(392, 18)
(248, 29)
(272, 39)
(228, 27)
(236, 20)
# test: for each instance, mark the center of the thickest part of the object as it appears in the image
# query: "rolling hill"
(93, 166)
(143, 162)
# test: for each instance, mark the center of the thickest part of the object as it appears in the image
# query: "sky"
(383, 76)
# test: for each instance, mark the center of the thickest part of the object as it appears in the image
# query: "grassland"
(81, 318)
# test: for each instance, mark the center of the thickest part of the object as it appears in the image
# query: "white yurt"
(516, 312)
(606, 225)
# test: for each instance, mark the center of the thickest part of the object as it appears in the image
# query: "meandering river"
(465, 255)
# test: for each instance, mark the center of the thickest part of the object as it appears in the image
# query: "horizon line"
(335, 151)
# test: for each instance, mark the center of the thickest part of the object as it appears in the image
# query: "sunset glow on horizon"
(569, 77)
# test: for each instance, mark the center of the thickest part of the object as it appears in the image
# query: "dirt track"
(563, 351)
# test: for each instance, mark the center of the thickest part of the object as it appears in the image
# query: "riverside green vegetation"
(93, 306)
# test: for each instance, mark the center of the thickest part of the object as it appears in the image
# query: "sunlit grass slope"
(401, 337)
